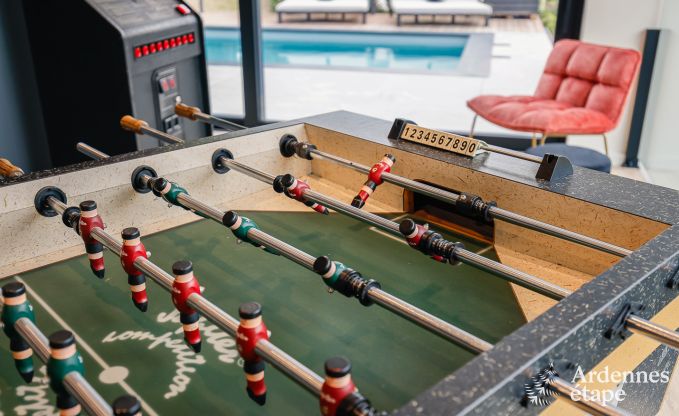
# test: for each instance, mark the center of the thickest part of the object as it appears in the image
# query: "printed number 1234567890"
(447, 141)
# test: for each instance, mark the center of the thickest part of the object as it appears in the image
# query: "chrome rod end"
(41, 200)
(217, 164)
(138, 175)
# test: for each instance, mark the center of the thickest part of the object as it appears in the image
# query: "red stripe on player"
(414, 236)
(295, 188)
(374, 180)
(337, 385)
(250, 331)
(132, 249)
(89, 220)
(184, 285)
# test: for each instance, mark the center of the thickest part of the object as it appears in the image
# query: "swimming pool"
(418, 52)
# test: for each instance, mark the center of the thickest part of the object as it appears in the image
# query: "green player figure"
(15, 307)
(240, 226)
(170, 192)
(64, 359)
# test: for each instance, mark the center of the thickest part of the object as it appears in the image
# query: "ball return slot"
(469, 204)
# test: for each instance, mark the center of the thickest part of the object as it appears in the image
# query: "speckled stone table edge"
(489, 383)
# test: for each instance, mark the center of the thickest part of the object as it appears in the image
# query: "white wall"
(620, 23)
(660, 137)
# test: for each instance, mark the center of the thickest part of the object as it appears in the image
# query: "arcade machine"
(103, 58)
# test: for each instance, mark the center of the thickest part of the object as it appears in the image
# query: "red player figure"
(294, 188)
(185, 284)
(250, 331)
(337, 385)
(133, 248)
(90, 219)
(413, 233)
(374, 180)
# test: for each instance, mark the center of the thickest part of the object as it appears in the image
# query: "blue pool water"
(354, 50)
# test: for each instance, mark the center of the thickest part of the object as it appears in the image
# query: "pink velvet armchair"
(582, 90)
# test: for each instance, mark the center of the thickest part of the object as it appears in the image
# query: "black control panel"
(112, 58)
(168, 95)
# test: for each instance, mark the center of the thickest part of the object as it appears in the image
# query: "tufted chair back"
(589, 76)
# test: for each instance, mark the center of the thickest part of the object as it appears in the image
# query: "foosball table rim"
(492, 383)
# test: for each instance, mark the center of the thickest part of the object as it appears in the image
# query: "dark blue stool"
(579, 156)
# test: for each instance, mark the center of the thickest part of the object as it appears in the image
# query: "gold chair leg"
(543, 140)
(533, 140)
(605, 143)
(471, 131)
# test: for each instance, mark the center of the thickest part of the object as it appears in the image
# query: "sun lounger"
(308, 7)
(437, 8)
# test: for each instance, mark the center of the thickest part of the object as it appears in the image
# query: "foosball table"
(193, 278)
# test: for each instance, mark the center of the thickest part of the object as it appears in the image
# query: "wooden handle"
(130, 123)
(183, 110)
(9, 170)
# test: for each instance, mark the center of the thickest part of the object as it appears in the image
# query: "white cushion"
(323, 6)
(447, 7)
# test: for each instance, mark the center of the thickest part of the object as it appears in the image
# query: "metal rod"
(446, 330)
(196, 114)
(272, 354)
(215, 121)
(215, 315)
(512, 153)
(584, 402)
(160, 135)
(90, 151)
(506, 272)
(554, 231)
(279, 359)
(56, 205)
(34, 337)
(75, 383)
(513, 275)
(654, 331)
(198, 206)
(295, 370)
(288, 251)
(384, 299)
(367, 217)
(107, 240)
(495, 212)
(248, 170)
(85, 394)
(390, 302)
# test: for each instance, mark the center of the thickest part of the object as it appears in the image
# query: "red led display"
(163, 45)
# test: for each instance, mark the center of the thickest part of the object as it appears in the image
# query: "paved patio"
(519, 50)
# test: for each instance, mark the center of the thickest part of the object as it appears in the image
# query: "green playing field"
(143, 353)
